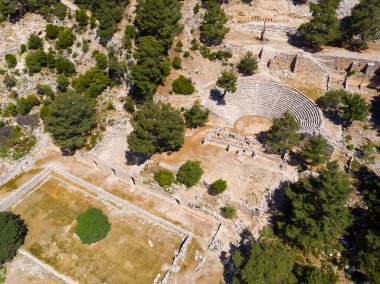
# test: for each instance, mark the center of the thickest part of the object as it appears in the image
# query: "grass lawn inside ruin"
(123, 256)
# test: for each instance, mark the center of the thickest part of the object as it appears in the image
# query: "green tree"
(363, 24)
(219, 186)
(157, 128)
(213, 28)
(158, 18)
(164, 177)
(64, 66)
(25, 105)
(81, 18)
(190, 173)
(116, 70)
(66, 39)
(11, 60)
(35, 61)
(316, 214)
(314, 275)
(248, 65)
(34, 42)
(45, 90)
(13, 231)
(229, 212)
(177, 63)
(269, 262)
(92, 226)
(129, 105)
(183, 86)
(283, 134)
(227, 81)
(354, 108)
(101, 60)
(52, 31)
(323, 28)
(151, 67)
(196, 116)
(368, 152)
(62, 83)
(92, 83)
(71, 118)
(315, 150)
(332, 99)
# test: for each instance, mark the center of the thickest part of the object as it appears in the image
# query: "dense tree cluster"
(157, 128)
(158, 18)
(92, 83)
(157, 24)
(315, 214)
(213, 28)
(13, 10)
(12, 235)
(70, 118)
(109, 13)
(353, 32)
(151, 68)
(349, 106)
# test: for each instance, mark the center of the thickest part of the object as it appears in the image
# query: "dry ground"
(51, 213)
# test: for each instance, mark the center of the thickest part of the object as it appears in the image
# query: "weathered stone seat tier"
(267, 99)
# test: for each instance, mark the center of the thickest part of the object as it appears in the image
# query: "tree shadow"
(216, 96)
(244, 246)
(295, 40)
(135, 159)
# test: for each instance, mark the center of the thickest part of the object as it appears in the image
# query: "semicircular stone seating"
(268, 99)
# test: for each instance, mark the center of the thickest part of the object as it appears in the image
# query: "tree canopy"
(196, 116)
(248, 65)
(157, 128)
(92, 226)
(315, 150)
(283, 134)
(213, 28)
(227, 81)
(190, 173)
(315, 214)
(70, 119)
(13, 231)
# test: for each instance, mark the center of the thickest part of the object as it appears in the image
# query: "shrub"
(219, 186)
(81, 18)
(62, 83)
(35, 61)
(34, 42)
(164, 177)
(25, 105)
(11, 60)
(52, 31)
(23, 48)
(85, 46)
(92, 226)
(64, 66)
(229, 211)
(65, 39)
(9, 81)
(101, 60)
(177, 62)
(190, 173)
(45, 90)
(129, 105)
(183, 86)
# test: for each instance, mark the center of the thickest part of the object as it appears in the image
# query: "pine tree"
(315, 150)
(248, 65)
(227, 81)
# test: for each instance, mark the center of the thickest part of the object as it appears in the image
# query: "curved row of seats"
(268, 99)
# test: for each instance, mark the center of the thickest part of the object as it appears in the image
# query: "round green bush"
(164, 177)
(190, 173)
(219, 186)
(229, 211)
(92, 226)
(183, 86)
